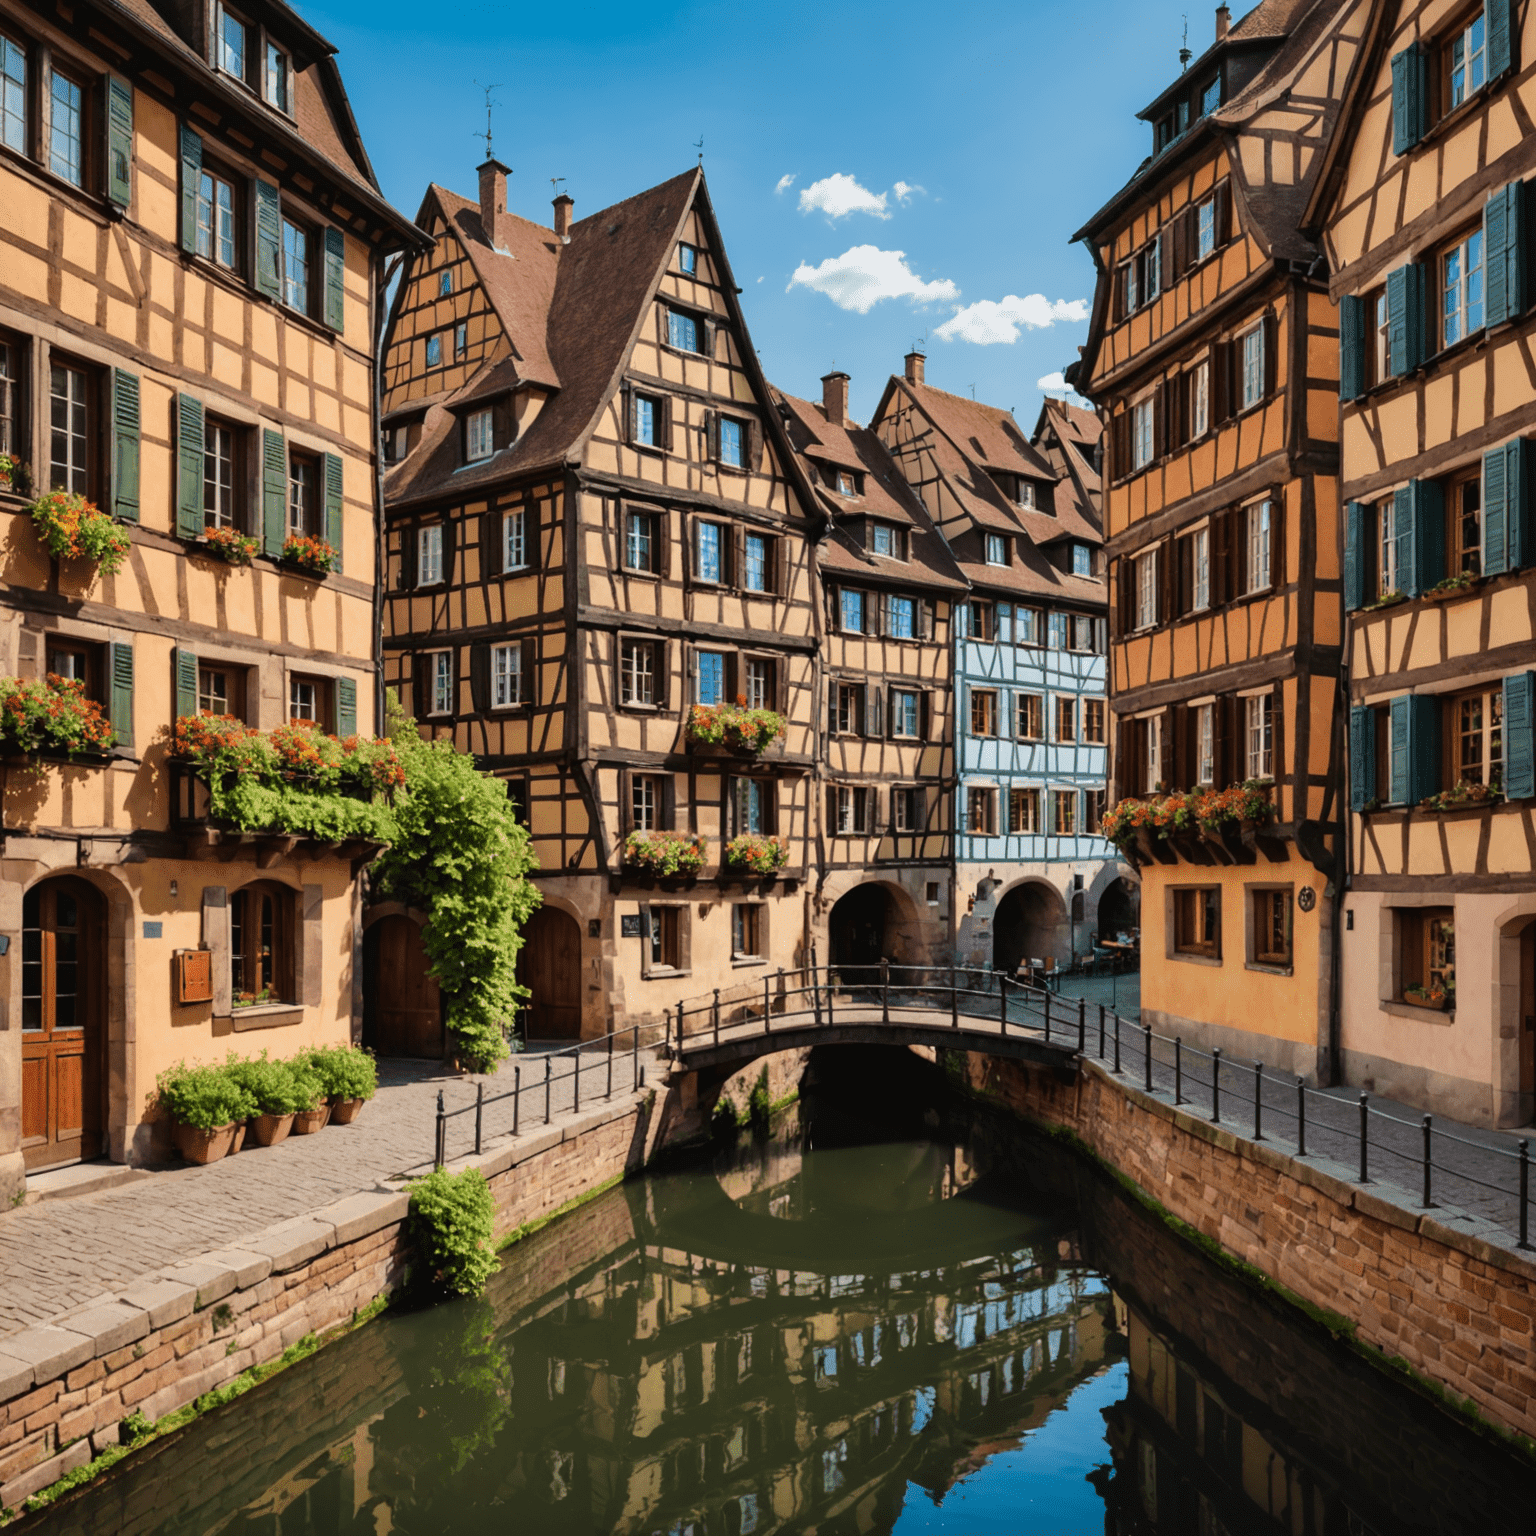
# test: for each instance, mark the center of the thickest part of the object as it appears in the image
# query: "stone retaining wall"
(1453, 1304)
(66, 1386)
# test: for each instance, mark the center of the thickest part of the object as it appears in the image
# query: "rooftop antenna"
(698, 144)
(1184, 54)
(556, 182)
(489, 152)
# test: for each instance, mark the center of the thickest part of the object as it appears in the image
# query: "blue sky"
(1007, 124)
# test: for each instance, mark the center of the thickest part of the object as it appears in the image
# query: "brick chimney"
(915, 361)
(834, 398)
(563, 206)
(1223, 21)
(493, 199)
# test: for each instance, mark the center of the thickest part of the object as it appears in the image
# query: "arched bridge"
(946, 1009)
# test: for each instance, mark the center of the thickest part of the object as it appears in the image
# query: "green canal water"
(915, 1323)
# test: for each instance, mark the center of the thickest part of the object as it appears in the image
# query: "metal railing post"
(1365, 1140)
(885, 990)
(1178, 1069)
(1147, 1039)
(767, 1001)
(717, 1015)
(831, 1017)
(678, 1053)
(815, 997)
(954, 1000)
(1082, 1025)
(1301, 1117)
(442, 1133)
(1117, 1043)
(1002, 1002)
(1428, 1131)
(1047, 1016)
(576, 1086)
(1525, 1192)
(517, 1096)
(634, 1037)
(1258, 1101)
(1216, 1086)
(1102, 1051)
(548, 1068)
(479, 1112)
(610, 1065)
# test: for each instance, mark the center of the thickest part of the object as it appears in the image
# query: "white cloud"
(905, 189)
(838, 195)
(785, 183)
(989, 321)
(1056, 384)
(863, 275)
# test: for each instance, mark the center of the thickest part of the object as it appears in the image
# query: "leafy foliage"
(231, 546)
(345, 1071)
(1181, 811)
(313, 554)
(756, 854)
(51, 716)
(276, 1087)
(458, 853)
(452, 1221)
(743, 729)
(203, 1097)
(665, 853)
(1462, 794)
(72, 528)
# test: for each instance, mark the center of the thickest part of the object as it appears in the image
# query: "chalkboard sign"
(629, 925)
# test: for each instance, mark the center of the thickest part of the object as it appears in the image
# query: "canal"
(894, 1317)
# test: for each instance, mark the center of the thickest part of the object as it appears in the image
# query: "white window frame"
(903, 700)
(997, 549)
(506, 676)
(1200, 560)
(718, 532)
(215, 237)
(1146, 588)
(1462, 269)
(900, 616)
(1154, 763)
(1471, 43)
(479, 436)
(219, 509)
(1258, 540)
(1082, 560)
(847, 596)
(1389, 549)
(514, 540)
(1141, 433)
(644, 802)
(1252, 345)
(1200, 401)
(441, 702)
(757, 572)
(758, 682)
(734, 433)
(1205, 744)
(1259, 736)
(429, 555)
(677, 320)
(1205, 228)
(641, 530)
(637, 672)
(1027, 494)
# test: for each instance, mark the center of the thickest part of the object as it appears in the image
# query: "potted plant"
(276, 1093)
(317, 1108)
(53, 716)
(754, 854)
(1450, 586)
(310, 554)
(72, 528)
(665, 854)
(1429, 996)
(230, 545)
(735, 727)
(8, 471)
(349, 1078)
(205, 1104)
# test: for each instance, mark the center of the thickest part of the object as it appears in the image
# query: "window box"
(53, 719)
(1424, 997)
(735, 728)
(1453, 586)
(229, 545)
(72, 528)
(304, 552)
(752, 853)
(1462, 797)
(665, 855)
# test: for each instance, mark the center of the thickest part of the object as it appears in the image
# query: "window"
(732, 434)
(1066, 718)
(1272, 927)
(759, 679)
(1391, 549)
(445, 282)
(1477, 726)
(747, 930)
(907, 809)
(997, 549)
(1141, 434)
(1257, 518)
(1151, 271)
(751, 807)
(708, 547)
(1026, 626)
(514, 540)
(850, 611)
(1200, 568)
(906, 712)
(983, 616)
(1464, 503)
(1259, 736)
(70, 422)
(1197, 921)
(847, 484)
(397, 443)
(1146, 590)
(682, 331)
(1093, 810)
(1152, 768)
(440, 682)
(1064, 812)
(221, 691)
(645, 801)
(687, 259)
(981, 811)
(647, 412)
(637, 672)
(1205, 229)
(66, 134)
(849, 702)
(309, 699)
(76, 660)
(216, 220)
(709, 677)
(275, 78)
(1466, 62)
(461, 339)
(1023, 810)
(900, 617)
(303, 495)
(1427, 955)
(1210, 97)
(296, 275)
(1253, 367)
(231, 44)
(1205, 744)
(1080, 633)
(1094, 721)
(1030, 708)
(435, 351)
(219, 477)
(1461, 288)
(885, 540)
(666, 950)
(429, 555)
(506, 676)
(757, 569)
(260, 951)
(478, 436)
(1378, 347)
(1130, 296)
(1082, 560)
(852, 808)
(642, 547)
(1027, 495)
(1200, 401)
(13, 96)
(983, 712)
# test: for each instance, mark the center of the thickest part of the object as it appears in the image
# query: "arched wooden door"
(63, 993)
(549, 965)
(405, 1009)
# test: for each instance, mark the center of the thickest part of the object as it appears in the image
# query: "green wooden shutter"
(125, 445)
(1410, 89)
(1362, 757)
(191, 185)
(1351, 347)
(1504, 242)
(1427, 499)
(1520, 736)
(274, 492)
(335, 279)
(1495, 513)
(120, 691)
(269, 240)
(1405, 319)
(190, 443)
(1356, 546)
(1520, 545)
(1405, 532)
(346, 706)
(333, 505)
(186, 682)
(119, 141)
(1501, 53)
(1423, 746)
(1397, 765)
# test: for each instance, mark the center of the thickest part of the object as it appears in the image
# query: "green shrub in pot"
(203, 1097)
(273, 1085)
(345, 1071)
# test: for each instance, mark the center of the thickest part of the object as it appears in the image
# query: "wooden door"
(404, 1002)
(549, 965)
(62, 1078)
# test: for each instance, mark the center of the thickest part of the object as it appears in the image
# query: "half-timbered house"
(1212, 356)
(889, 589)
(598, 572)
(1426, 216)
(1028, 659)
(191, 239)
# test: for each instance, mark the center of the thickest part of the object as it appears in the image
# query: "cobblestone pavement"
(59, 1254)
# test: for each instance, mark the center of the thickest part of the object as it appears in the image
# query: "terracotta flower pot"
(345, 1111)
(199, 1146)
(271, 1129)
(310, 1120)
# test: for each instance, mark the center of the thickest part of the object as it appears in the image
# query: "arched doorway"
(859, 934)
(549, 965)
(1031, 924)
(63, 1005)
(1119, 909)
(403, 1013)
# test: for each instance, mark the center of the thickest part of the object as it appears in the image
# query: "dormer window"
(396, 443)
(997, 549)
(1027, 495)
(847, 483)
(1082, 560)
(1210, 97)
(886, 539)
(274, 78)
(233, 36)
(687, 259)
(479, 436)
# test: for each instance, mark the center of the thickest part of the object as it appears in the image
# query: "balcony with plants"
(734, 728)
(1200, 826)
(754, 855)
(665, 856)
(52, 719)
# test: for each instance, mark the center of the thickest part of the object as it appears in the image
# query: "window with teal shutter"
(1505, 237)
(1351, 347)
(120, 691)
(1405, 319)
(269, 240)
(1410, 98)
(186, 682)
(119, 141)
(333, 506)
(1519, 726)
(335, 279)
(125, 445)
(1357, 524)
(1495, 514)
(1414, 745)
(346, 706)
(1362, 757)
(1507, 532)
(1426, 501)
(1501, 52)
(274, 492)
(190, 437)
(1405, 531)
(191, 181)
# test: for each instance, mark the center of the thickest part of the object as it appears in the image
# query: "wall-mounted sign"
(1306, 898)
(152, 930)
(629, 925)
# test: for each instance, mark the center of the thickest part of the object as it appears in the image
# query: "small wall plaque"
(1306, 898)
(629, 925)
(153, 930)
(5, 943)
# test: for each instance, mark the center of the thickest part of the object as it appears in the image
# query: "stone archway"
(1031, 924)
(1119, 908)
